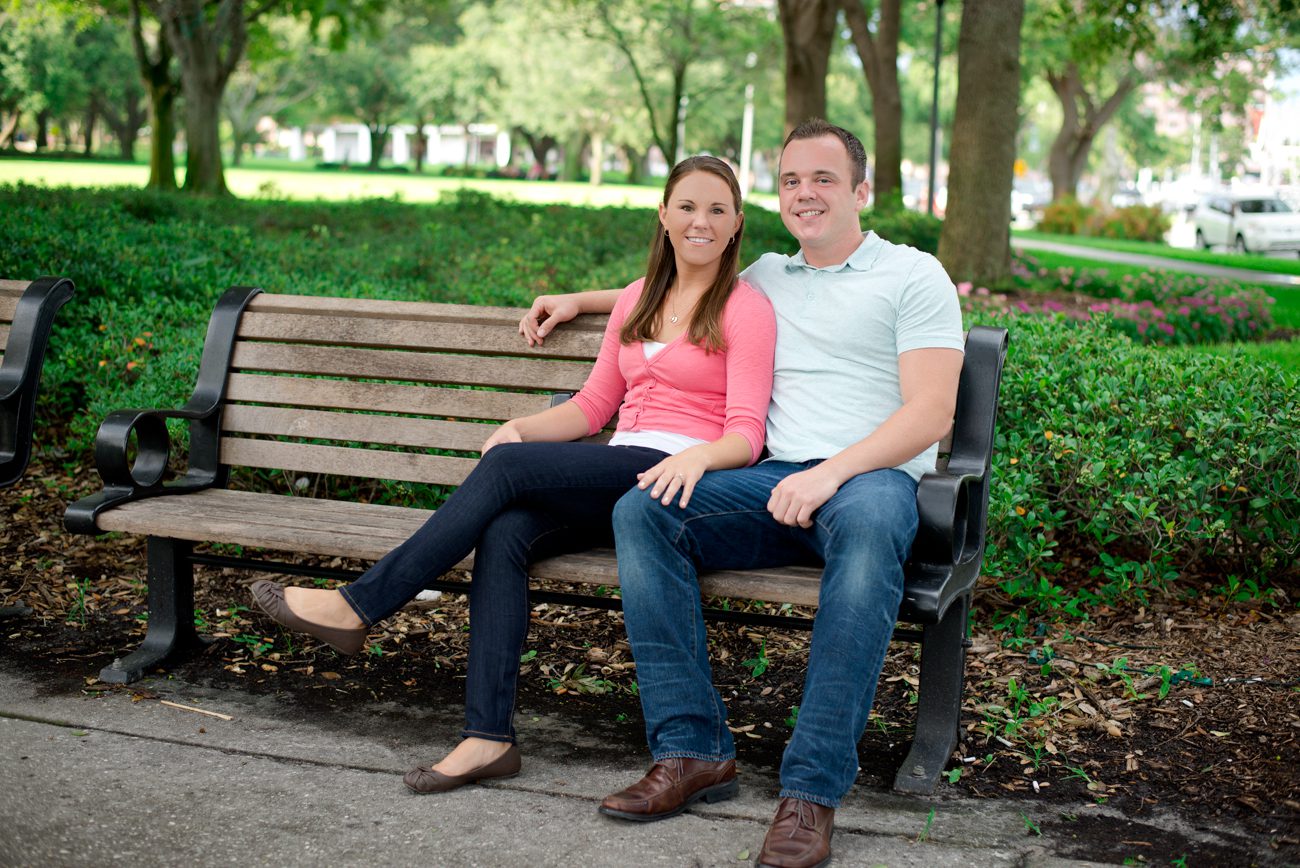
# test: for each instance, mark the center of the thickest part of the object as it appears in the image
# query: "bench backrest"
(387, 389)
(370, 388)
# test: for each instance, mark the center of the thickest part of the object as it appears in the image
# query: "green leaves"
(1160, 465)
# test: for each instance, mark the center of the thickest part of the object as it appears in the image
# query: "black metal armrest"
(20, 370)
(126, 480)
(943, 517)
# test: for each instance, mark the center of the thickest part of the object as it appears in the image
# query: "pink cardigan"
(683, 389)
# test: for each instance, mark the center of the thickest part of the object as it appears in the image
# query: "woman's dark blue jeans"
(523, 502)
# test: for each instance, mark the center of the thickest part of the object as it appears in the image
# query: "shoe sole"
(716, 793)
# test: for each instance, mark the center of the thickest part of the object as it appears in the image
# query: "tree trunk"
(635, 159)
(8, 127)
(236, 152)
(163, 91)
(809, 29)
(88, 131)
(571, 165)
(597, 159)
(1081, 121)
(162, 120)
(419, 144)
(379, 138)
(42, 129)
(975, 243)
(208, 50)
(879, 56)
(204, 173)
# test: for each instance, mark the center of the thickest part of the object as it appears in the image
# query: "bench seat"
(368, 531)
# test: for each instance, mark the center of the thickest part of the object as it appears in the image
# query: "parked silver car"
(1247, 223)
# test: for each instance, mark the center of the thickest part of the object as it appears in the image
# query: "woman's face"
(700, 218)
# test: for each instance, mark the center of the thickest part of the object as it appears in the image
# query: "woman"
(688, 356)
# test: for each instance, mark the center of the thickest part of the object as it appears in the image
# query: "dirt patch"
(1191, 704)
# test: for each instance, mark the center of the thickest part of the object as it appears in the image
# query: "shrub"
(901, 226)
(1151, 307)
(1119, 469)
(1135, 223)
(1064, 216)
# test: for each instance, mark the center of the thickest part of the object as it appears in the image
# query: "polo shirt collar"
(860, 260)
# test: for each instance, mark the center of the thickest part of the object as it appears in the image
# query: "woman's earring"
(665, 233)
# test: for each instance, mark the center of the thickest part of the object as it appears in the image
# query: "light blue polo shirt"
(839, 331)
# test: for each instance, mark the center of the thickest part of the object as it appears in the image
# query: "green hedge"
(1156, 467)
(1121, 468)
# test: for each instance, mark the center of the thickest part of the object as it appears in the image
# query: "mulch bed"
(1072, 712)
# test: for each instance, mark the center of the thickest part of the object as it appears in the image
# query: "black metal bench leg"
(943, 664)
(171, 632)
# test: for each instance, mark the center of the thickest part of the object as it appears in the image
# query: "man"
(869, 350)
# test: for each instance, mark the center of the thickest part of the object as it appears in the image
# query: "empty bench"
(409, 391)
(27, 310)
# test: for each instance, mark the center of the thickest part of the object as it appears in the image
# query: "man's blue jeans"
(863, 535)
(523, 502)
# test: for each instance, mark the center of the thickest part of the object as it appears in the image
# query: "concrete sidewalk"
(111, 778)
(1246, 275)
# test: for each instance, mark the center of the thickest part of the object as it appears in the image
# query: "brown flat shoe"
(424, 780)
(269, 597)
(800, 836)
(670, 787)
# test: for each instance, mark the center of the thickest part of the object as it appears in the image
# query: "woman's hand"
(547, 312)
(507, 433)
(676, 473)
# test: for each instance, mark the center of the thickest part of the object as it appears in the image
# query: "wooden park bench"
(27, 310)
(409, 391)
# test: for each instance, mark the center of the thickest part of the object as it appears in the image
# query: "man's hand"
(799, 495)
(547, 312)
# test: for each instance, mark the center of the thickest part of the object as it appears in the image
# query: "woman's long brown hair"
(643, 323)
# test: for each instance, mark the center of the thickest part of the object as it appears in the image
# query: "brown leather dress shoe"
(424, 780)
(269, 597)
(800, 836)
(670, 786)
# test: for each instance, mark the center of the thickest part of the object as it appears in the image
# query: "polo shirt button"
(810, 296)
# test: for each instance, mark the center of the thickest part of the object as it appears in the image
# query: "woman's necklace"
(672, 300)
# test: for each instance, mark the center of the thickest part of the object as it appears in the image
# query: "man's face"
(819, 204)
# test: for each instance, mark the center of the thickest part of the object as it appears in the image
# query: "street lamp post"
(747, 130)
(934, 103)
(681, 127)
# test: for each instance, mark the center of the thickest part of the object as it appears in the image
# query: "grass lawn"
(276, 179)
(1229, 260)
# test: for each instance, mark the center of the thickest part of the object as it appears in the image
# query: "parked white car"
(1247, 223)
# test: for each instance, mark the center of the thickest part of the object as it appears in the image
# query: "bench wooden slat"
(383, 397)
(551, 376)
(342, 461)
(368, 532)
(326, 425)
(4, 336)
(507, 317)
(363, 331)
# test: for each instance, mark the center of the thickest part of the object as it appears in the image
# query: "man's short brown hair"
(815, 128)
